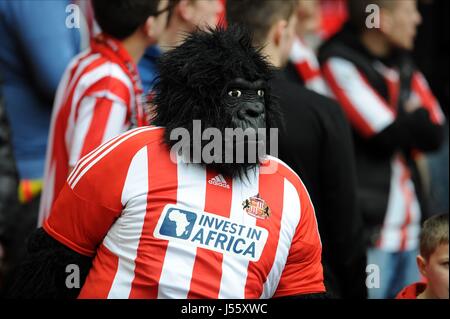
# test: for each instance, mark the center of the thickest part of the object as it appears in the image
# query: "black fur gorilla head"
(196, 82)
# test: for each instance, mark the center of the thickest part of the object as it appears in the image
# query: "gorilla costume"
(220, 79)
(139, 225)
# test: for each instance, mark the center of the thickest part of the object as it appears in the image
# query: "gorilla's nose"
(251, 110)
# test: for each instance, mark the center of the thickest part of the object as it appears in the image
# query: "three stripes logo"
(219, 181)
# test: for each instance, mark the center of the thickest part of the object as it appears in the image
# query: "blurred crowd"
(365, 116)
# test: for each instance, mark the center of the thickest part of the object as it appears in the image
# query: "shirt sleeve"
(79, 223)
(366, 110)
(421, 90)
(92, 198)
(303, 273)
(99, 119)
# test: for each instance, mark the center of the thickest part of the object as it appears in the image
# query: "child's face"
(435, 269)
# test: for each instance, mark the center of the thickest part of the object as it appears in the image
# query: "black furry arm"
(43, 273)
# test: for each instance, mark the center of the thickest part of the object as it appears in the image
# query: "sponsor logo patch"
(212, 232)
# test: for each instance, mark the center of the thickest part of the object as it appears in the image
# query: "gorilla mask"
(218, 80)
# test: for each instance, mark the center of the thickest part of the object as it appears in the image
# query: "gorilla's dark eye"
(260, 92)
(235, 93)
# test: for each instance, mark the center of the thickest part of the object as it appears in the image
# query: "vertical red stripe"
(258, 271)
(101, 276)
(207, 271)
(60, 158)
(162, 181)
(100, 116)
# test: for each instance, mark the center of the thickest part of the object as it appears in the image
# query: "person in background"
(99, 96)
(432, 56)
(186, 17)
(432, 261)
(36, 46)
(303, 66)
(316, 143)
(394, 117)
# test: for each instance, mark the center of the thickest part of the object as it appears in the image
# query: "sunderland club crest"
(256, 206)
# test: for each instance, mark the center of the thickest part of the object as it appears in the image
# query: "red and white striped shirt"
(369, 113)
(97, 99)
(163, 229)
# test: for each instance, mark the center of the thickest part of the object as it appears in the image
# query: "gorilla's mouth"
(251, 123)
(230, 151)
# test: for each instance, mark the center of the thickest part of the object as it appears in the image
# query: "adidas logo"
(219, 181)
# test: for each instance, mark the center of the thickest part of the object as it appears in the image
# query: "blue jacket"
(35, 48)
(148, 69)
